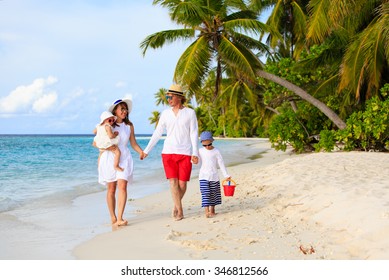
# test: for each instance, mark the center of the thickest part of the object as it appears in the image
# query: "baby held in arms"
(106, 138)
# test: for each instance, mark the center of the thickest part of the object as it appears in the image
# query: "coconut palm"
(155, 118)
(219, 30)
(289, 17)
(160, 97)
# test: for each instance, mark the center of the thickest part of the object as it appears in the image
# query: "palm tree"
(160, 97)
(217, 41)
(155, 118)
(219, 30)
(304, 95)
(289, 18)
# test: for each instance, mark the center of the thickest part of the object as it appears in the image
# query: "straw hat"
(127, 101)
(106, 115)
(176, 89)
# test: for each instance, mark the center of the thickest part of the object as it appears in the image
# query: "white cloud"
(95, 61)
(33, 96)
(44, 103)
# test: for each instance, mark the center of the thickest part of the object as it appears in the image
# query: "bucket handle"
(229, 182)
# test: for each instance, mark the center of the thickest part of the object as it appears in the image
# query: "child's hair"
(126, 119)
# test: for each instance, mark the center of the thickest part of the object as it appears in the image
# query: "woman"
(107, 174)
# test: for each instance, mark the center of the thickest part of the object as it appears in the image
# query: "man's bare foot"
(118, 168)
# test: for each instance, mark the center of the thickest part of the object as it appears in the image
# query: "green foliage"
(285, 130)
(298, 129)
(327, 141)
(368, 129)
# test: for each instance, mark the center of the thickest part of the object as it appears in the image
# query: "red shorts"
(177, 166)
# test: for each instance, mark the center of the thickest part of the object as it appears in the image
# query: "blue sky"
(64, 62)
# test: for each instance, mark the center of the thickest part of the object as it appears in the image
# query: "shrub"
(368, 129)
(327, 141)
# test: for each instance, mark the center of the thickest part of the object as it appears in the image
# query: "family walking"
(180, 151)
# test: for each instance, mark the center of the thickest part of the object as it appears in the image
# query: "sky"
(62, 63)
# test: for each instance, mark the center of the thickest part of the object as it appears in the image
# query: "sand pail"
(229, 187)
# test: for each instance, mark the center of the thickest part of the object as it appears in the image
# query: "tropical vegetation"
(314, 75)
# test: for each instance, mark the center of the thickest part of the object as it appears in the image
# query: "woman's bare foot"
(174, 213)
(113, 220)
(121, 223)
(179, 217)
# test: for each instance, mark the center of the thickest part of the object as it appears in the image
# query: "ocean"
(50, 200)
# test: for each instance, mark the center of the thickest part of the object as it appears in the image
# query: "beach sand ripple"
(314, 206)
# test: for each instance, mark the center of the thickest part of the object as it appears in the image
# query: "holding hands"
(142, 155)
(195, 159)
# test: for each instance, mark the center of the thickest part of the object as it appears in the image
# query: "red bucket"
(229, 187)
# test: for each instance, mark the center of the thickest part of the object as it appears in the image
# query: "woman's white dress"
(107, 172)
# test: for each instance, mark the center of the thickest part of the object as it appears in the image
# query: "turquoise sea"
(50, 200)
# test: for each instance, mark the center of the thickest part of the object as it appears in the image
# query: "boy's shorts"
(177, 166)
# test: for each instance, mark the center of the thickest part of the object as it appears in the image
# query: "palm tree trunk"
(307, 97)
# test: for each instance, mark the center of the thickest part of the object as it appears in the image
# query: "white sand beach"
(286, 207)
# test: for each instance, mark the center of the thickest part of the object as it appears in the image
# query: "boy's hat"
(106, 115)
(206, 135)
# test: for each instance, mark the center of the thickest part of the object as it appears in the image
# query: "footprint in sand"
(175, 235)
(200, 244)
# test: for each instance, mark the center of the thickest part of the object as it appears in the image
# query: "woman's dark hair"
(126, 119)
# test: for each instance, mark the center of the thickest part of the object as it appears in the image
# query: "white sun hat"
(106, 115)
(126, 100)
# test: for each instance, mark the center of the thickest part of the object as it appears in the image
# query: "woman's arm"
(133, 142)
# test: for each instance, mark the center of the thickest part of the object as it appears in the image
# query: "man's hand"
(143, 155)
(195, 159)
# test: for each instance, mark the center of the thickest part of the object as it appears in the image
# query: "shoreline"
(153, 213)
(316, 206)
(51, 227)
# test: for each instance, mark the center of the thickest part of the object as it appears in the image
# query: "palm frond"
(188, 13)
(299, 28)
(159, 39)
(319, 24)
(249, 26)
(251, 43)
(234, 57)
(366, 58)
(193, 64)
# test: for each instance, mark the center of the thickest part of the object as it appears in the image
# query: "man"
(180, 146)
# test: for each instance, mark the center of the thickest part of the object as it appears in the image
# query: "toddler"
(106, 137)
(210, 159)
